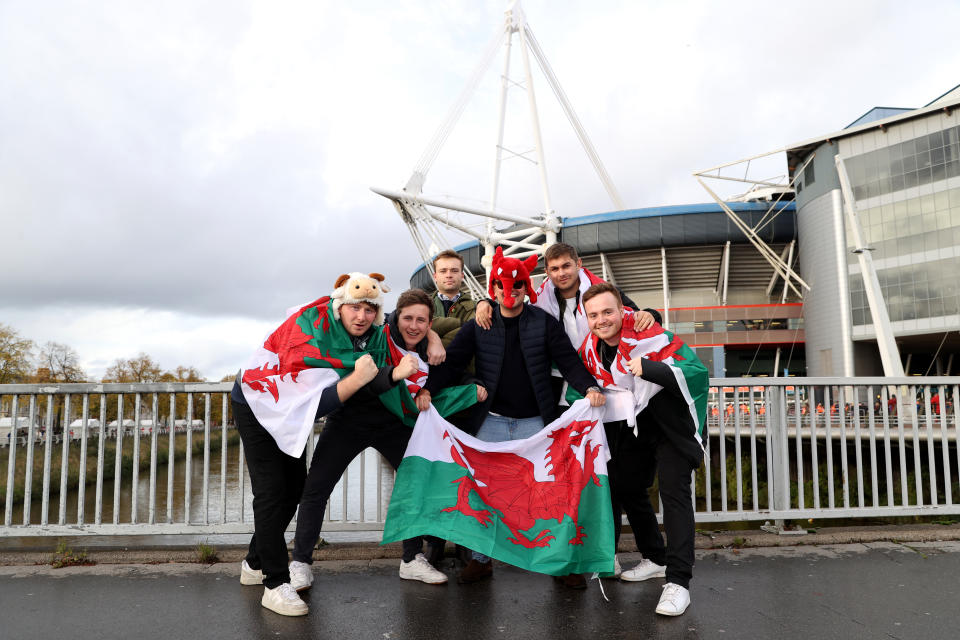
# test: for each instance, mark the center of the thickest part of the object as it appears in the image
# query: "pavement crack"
(915, 550)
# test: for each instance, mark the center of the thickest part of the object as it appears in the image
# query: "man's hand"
(481, 393)
(484, 315)
(636, 366)
(422, 400)
(405, 368)
(596, 398)
(436, 354)
(365, 369)
(642, 320)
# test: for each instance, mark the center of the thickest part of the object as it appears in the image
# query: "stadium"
(699, 270)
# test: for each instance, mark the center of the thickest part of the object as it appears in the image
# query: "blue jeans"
(501, 428)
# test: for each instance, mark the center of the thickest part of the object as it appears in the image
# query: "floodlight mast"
(526, 235)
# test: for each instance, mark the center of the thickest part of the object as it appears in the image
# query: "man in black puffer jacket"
(513, 360)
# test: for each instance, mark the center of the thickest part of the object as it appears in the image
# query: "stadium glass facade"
(904, 174)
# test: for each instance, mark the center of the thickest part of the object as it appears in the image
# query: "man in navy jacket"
(512, 361)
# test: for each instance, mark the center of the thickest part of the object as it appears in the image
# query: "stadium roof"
(705, 223)
(947, 103)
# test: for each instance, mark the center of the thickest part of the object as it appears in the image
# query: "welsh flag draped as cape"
(628, 395)
(542, 503)
(284, 379)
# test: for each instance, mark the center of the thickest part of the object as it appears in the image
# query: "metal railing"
(798, 448)
(191, 476)
(778, 448)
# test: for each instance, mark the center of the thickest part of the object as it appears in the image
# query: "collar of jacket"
(498, 317)
(563, 301)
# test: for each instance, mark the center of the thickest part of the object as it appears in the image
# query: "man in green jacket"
(452, 308)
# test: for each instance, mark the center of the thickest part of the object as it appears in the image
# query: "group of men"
(519, 359)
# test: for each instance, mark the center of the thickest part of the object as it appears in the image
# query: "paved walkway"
(845, 591)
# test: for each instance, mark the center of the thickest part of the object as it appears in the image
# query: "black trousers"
(339, 443)
(277, 482)
(635, 462)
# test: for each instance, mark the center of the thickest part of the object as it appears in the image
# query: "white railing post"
(777, 457)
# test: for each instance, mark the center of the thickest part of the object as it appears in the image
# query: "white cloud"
(216, 345)
(208, 163)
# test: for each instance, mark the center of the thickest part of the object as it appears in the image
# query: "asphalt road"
(849, 591)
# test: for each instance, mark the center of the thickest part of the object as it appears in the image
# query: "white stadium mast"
(526, 235)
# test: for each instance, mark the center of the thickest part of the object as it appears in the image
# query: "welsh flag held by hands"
(542, 503)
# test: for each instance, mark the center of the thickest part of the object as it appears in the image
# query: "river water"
(352, 506)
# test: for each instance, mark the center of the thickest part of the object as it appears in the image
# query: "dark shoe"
(475, 571)
(463, 555)
(572, 581)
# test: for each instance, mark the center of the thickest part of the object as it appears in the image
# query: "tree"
(141, 368)
(16, 355)
(61, 363)
(182, 374)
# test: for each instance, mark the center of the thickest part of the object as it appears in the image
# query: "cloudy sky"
(174, 175)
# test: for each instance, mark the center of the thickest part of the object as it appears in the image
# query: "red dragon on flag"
(542, 503)
(506, 482)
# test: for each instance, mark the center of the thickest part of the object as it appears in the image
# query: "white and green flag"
(542, 503)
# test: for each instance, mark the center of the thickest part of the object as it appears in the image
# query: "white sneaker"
(644, 571)
(250, 576)
(301, 575)
(674, 600)
(617, 570)
(284, 600)
(420, 569)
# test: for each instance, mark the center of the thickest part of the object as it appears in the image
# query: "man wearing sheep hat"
(331, 358)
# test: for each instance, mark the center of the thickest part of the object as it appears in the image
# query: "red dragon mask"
(509, 270)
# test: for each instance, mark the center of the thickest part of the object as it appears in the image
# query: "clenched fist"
(596, 398)
(636, 366)
(365, 369)
(407, 366)
(422, 400)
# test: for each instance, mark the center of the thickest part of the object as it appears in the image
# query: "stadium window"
(808, 174)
